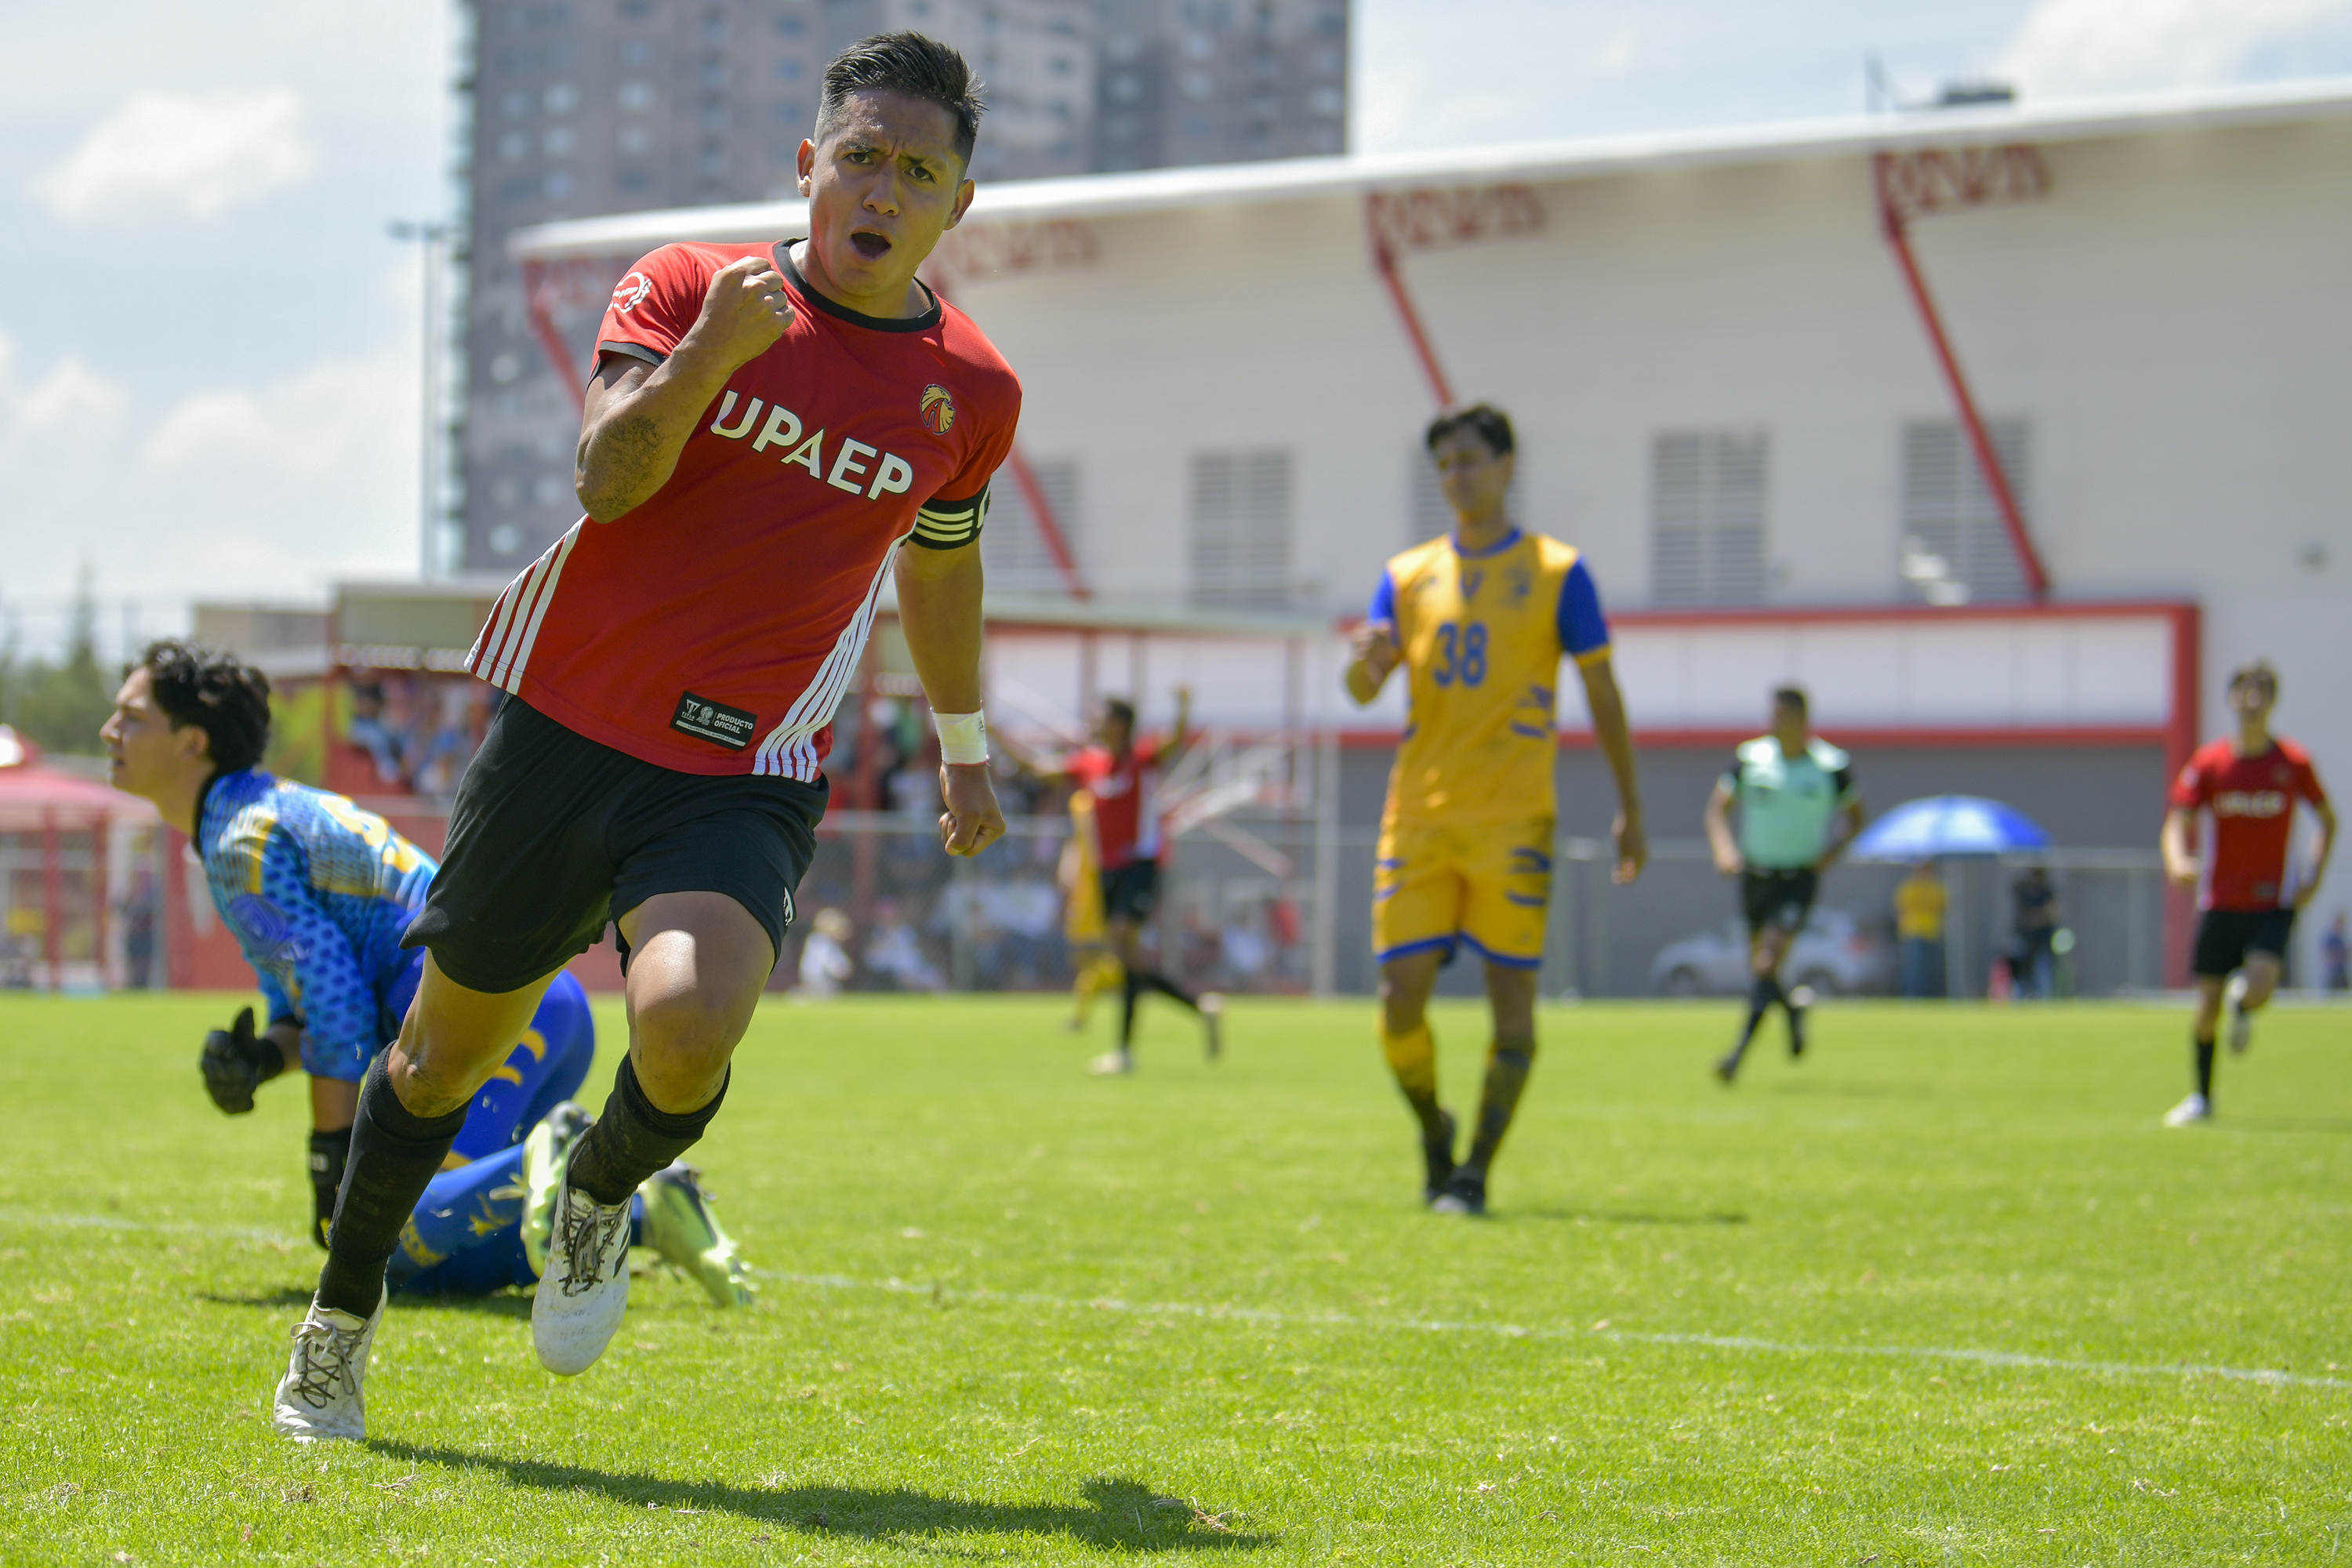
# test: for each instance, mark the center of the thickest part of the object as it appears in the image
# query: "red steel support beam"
(1996, 478)
(1385, 262)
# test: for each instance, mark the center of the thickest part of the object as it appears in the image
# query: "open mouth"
(870, 244)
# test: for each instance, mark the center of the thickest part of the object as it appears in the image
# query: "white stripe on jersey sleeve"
(511, 678)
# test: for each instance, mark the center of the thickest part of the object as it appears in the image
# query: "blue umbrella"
(1949, 824)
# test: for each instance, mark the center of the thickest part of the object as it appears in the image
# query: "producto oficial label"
(705, 719)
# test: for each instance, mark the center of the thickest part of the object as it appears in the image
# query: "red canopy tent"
(39, 800)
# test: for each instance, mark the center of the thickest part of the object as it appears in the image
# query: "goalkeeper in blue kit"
(317, 892)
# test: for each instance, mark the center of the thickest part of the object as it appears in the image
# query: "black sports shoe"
(1439, 1160)
(1729, 1067)
(1465, 1192)
(1796, 1034)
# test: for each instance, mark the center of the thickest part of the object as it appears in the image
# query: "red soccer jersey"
(1127, 817)
(715, 628)
(2252, 802)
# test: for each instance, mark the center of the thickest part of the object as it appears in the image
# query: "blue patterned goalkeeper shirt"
(317, 892)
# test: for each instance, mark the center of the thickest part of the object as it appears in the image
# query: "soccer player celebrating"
(316, 892)
(1480, 621)
(772, 430)
(2250, 783)
(1798, 810)
(1119, 775)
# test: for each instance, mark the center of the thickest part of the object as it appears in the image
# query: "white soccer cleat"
(2189, 1112)
(584, 1288)
(1212, 1018)
(319, 1398)
(2242, 1023)
(1112, 1064)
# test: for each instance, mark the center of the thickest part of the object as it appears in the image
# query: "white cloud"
(163, 155)
(2075, 46)
(258, 491)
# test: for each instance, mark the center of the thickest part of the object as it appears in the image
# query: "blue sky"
(209, 342)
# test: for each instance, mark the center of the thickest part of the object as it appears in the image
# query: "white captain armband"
(951, 524)
(964, 738)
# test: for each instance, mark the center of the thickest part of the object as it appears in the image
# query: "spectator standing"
(1919, 903)
(2033, 966)
(2335, 955)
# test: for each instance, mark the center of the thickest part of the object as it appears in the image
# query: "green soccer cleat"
(546, 1153)
(681, 1227)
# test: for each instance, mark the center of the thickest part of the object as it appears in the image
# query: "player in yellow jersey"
(1480, 621)
(1092, 963)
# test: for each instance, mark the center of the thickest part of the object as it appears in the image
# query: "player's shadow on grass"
(503, 1305)
(1119, 1514)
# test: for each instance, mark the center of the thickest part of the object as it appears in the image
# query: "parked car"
(1834, 954)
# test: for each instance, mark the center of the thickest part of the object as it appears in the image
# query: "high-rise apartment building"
(581, 106)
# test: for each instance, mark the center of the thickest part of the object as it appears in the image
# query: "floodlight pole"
(429, 237)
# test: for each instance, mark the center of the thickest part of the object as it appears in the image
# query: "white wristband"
(963, 737)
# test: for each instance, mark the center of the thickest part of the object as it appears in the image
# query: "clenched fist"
(744, 311)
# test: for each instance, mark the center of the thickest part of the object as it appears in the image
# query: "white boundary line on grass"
(2263, 1375)
(1212, 1313)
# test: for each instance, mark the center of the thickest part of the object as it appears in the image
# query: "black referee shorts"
(2224, 937)
(1129, 891)
(1781, 899)
(554, 834)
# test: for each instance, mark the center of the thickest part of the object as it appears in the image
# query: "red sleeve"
(1087, 768)
(2191, 788)
(994, 422)
(654, 303)
(2306, 783)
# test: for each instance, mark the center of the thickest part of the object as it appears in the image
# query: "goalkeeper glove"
(235, 1062)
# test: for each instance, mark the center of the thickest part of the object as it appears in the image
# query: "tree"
(59, 707)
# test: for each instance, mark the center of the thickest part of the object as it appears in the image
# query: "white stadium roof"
(1231, 184)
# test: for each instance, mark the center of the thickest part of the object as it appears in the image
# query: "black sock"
(330, 1152)
(1155, 981)
(1131, 986)
(392, 1156)
(1761, 997)
(633, 1138)
(2205, 1069)
(1507, 1074)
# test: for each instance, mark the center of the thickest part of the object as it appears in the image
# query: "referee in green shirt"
(1798, 810)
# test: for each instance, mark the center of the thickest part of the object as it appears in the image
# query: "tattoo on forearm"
(626, 450)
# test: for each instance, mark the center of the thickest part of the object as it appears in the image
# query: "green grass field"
(1925, 1297)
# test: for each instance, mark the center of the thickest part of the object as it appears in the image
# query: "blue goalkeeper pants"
(464, 1236)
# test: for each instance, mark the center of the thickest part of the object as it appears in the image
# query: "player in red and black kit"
(1123, 773)
(772, 432)
(2250, 783)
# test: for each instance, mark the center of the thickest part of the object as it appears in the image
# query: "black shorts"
(1129, 891)
(2224, 937)
(1781, 899)
(554, 835)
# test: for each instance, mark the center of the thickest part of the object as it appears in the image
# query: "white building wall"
(2172, 320)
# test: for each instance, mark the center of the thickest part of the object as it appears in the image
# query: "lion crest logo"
(939, 409)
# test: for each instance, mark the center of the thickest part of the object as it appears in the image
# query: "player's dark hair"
(1120, 709)
(217, 693)
(1792, 697)
(911, 65)
(2258, 673)
(1493, 428)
